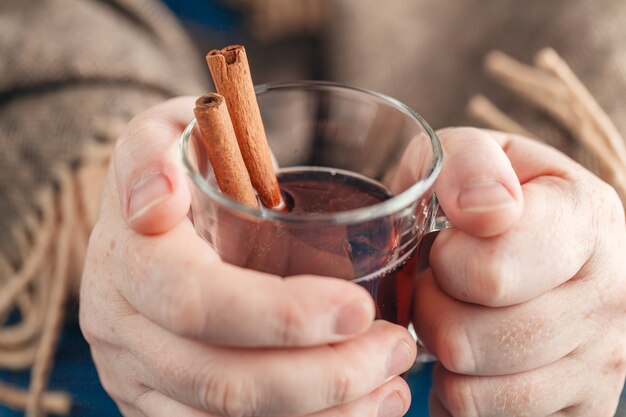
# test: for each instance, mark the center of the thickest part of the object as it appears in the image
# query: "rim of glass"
(387, 207)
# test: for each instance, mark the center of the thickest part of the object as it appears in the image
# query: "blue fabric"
(420, 383)
(211, 14)
(75, 372)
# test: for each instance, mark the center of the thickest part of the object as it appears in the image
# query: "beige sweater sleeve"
(430, 53)
(73, 73)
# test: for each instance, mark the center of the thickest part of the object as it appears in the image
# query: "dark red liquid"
(356, 249)
(317, 192)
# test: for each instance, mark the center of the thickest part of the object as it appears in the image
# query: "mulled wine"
(365, 249)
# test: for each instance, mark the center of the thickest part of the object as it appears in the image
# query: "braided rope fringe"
(552, 87)
(39, 290)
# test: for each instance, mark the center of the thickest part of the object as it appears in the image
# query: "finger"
(531, 159)
(552, 240)
(118, 372)
(270, 382)
(475, 340)
(154, 404)
(477, 187)
(544, 392)
(390, 400)
(151, 182)
(584, 383)
(177, 281)
(591, 407)
(539, 393)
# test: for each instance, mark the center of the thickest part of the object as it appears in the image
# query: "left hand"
(174, 331)
(528, 320)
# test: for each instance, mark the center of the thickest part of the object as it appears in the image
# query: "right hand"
(176, 332)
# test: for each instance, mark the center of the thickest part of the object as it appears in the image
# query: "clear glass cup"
(377, 142)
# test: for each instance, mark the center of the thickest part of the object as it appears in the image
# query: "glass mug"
(345, 147)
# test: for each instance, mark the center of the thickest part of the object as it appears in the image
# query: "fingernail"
(486, 195)
(353, 318)
(400, 360)
(392, 406)
(147, 193)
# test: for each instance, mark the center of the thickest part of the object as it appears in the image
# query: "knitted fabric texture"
(73, 74)
(429, 54)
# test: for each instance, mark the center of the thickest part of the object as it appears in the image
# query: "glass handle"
(438, 220)
(423, 355)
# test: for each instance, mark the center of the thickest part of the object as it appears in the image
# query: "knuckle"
(228, 396)
(144, 125)
(517, 397)
(165, 363)
(455, 350)
(485, 272)
(109, 383)
(205, 385)
(143, 398)
(290, 322)
(343, 386)
(238, 399)
(517, 339)
(90, 328)
(610, 205)
(459, 397)
(616, 360)
(149, 280)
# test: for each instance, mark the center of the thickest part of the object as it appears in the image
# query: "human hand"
(527, 318)
(176, 332)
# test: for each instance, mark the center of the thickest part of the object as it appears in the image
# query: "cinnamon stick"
(231, 75)
(221, 146)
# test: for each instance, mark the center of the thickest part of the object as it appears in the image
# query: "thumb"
(151, 183)
(478, 188)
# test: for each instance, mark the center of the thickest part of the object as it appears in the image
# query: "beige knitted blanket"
(73, 72)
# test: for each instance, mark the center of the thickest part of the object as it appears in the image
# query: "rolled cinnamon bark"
(231, 75)
(221, 146)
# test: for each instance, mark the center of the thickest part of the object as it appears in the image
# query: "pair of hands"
(524, 302)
